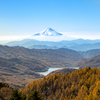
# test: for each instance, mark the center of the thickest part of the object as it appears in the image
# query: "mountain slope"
(90, 62)
(54, 58)
(85, 47)
(17, 74)
(91, 53)
(48, 32)
(42, 47)
(33, 65)
(81, 84)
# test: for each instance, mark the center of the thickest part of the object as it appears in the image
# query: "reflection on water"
(53, 69)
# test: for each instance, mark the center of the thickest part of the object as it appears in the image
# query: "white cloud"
(4, 39)
(83, 35)
(66, 36)
(52, 38)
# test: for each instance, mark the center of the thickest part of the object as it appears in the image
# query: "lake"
(53, 69)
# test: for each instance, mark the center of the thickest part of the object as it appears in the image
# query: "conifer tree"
(35, 96)
(17, 96)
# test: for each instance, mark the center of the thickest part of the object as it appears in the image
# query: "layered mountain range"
(22, 60)
(20, 65)
(48, 35)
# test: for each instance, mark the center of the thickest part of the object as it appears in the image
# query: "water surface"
(53, 69)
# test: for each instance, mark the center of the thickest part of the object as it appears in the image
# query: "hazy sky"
(77, 18)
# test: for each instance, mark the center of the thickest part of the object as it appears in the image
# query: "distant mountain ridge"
(49, 35)
(77, 45)
(42, 47)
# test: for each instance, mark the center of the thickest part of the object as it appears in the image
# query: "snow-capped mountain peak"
(48, 32)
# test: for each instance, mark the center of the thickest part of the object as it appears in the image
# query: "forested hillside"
(90, 62)
(25, 64)
(20, 71)
(5, 91)
(91, 53)
(54, 58)
(82, 84)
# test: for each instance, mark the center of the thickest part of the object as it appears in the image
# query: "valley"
(29, 59)
(20, 65)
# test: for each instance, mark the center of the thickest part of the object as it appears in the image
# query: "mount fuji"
(48, 32)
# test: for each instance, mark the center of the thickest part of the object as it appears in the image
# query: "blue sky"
(73, 17)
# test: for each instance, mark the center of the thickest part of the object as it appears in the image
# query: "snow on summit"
(48, 32)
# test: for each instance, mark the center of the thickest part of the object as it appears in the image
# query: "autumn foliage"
(82, 84)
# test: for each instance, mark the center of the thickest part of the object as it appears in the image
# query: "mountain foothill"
(21, 65)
